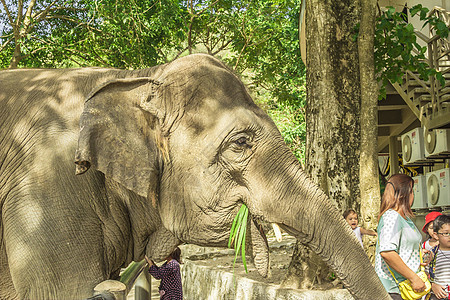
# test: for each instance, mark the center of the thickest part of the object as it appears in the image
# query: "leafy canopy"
(397, 49)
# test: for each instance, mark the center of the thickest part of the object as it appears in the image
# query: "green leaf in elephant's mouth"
(237, 234)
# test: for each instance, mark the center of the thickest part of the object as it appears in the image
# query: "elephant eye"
(239, 147)
(242, 141)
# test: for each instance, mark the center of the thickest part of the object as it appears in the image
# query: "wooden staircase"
(416, 102)
(428, 100)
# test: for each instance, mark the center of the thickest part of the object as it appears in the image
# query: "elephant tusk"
(277, 231)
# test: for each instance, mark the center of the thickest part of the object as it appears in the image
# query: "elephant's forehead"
(219, 109)
(219, 123)
(215, 104)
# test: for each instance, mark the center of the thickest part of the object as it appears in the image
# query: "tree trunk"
(16, 56)
(332, 117)
(369, 182)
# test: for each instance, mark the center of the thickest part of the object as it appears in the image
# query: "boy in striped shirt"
(440, 266)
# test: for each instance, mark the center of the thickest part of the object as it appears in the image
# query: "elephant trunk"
(326, 233)
(304, 211)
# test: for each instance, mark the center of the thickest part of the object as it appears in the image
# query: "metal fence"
(134, 276)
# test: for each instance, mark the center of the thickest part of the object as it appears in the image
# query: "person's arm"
(163, 271)
(439, 291)
(395, 262)
(152, 268)
(368, 232)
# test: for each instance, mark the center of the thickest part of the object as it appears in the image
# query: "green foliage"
(132, 34)
(290, 120)
(50, 34)
(238, 233)
(258, 39)
(5, 57)
(397, 49)
(268, 49)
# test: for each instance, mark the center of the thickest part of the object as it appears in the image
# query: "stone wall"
(206, 283)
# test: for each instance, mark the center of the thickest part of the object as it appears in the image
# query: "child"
(440, 265)
(428, 230)
(352, 219)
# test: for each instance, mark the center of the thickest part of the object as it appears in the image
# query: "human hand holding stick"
(149, 261)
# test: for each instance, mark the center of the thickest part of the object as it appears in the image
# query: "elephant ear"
(120, 134)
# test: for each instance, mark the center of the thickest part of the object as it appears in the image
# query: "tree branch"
(180, 52)
(81, 54)
(223, 47)
(8, 13)
(38, 16)
(27, 19)
(19, 14)
(6, 44)
(208, 7)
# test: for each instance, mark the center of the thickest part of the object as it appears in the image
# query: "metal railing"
(135, 275)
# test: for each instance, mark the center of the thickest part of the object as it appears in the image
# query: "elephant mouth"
(259, 247)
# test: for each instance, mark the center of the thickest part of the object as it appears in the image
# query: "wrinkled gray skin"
(164, 156)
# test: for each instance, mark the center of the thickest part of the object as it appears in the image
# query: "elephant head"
(194, 144)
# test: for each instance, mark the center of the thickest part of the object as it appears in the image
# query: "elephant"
(102, 166)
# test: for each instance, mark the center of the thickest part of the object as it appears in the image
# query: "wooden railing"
(429, 100)
(442, 45)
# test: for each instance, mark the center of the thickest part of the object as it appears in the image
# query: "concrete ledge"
(201, 282)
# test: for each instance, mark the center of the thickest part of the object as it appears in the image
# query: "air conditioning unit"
(420, 192)
(413, 149)
(438, 187)
(437, 142)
